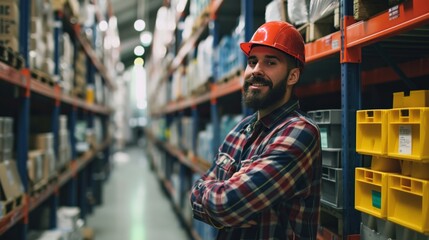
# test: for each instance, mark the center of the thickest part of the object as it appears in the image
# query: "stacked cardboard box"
(12, 190)
(44, 142)
(79, 86)
(9, 24)
(6, 138)
(42, 37)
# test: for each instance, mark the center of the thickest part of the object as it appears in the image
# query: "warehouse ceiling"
(127, 12)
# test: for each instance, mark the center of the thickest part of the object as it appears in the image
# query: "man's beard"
(256, 100)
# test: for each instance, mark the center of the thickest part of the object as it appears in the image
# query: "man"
(265, 181)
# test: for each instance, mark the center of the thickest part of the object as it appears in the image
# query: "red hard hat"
(280, 35)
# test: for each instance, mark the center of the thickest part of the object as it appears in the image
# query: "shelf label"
(393, 12)
(324, 137)
(376, 199)
(405, 139)
(335, 44)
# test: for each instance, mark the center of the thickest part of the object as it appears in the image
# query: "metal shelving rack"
(345, 48)
(15, 224)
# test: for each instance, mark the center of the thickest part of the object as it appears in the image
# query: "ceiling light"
(139, 50)
(139, 61)
(139, 25)
(146, 38)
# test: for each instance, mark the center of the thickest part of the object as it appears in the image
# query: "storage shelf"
(32, 202)
(412, 69)
(94, 58)
(412, 14)
(15, 77)
(196, 164)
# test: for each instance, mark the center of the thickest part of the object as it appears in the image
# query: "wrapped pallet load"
(297, 12)
(323, 19)
(322, 8)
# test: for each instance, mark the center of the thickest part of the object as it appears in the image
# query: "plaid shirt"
(265, 181)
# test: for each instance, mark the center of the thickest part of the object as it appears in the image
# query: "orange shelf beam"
(10, 219)
(411, 14)
(323, 47)
(11, 75)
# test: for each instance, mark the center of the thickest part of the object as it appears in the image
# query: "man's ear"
(293, 76)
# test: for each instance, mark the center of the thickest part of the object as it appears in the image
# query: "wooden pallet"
(7, 206)
(322, 27)
(42, 77)
(11, 58)
(39, 187)
(364, 9)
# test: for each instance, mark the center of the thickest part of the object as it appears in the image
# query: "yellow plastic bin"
(371, 192)
(408, 135)
(416, 98)
(371, 132)
(408, 202)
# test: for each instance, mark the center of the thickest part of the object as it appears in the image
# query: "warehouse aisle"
(134, 207)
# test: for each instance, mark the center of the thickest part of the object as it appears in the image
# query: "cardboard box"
(10, 181)
(9, 20)
(43, 141)
(49, 164)
(35, 165)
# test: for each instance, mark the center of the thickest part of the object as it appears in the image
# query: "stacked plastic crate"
(329, 122)
(393, 193)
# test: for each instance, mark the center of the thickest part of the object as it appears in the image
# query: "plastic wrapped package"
(275, 11)
(204, 57)
(297, 11)
(322, 8)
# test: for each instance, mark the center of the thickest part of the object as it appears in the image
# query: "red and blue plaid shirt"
(265, 180)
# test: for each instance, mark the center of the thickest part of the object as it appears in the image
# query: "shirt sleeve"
(282, 171)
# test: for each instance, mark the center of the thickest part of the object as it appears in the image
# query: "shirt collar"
(280, 113)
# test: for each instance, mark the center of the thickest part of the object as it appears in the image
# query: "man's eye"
(251, 62)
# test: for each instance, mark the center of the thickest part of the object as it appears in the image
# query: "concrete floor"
(134, 205)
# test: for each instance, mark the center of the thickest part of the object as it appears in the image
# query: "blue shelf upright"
(350, 103)
(24, 110)
(247, 12)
